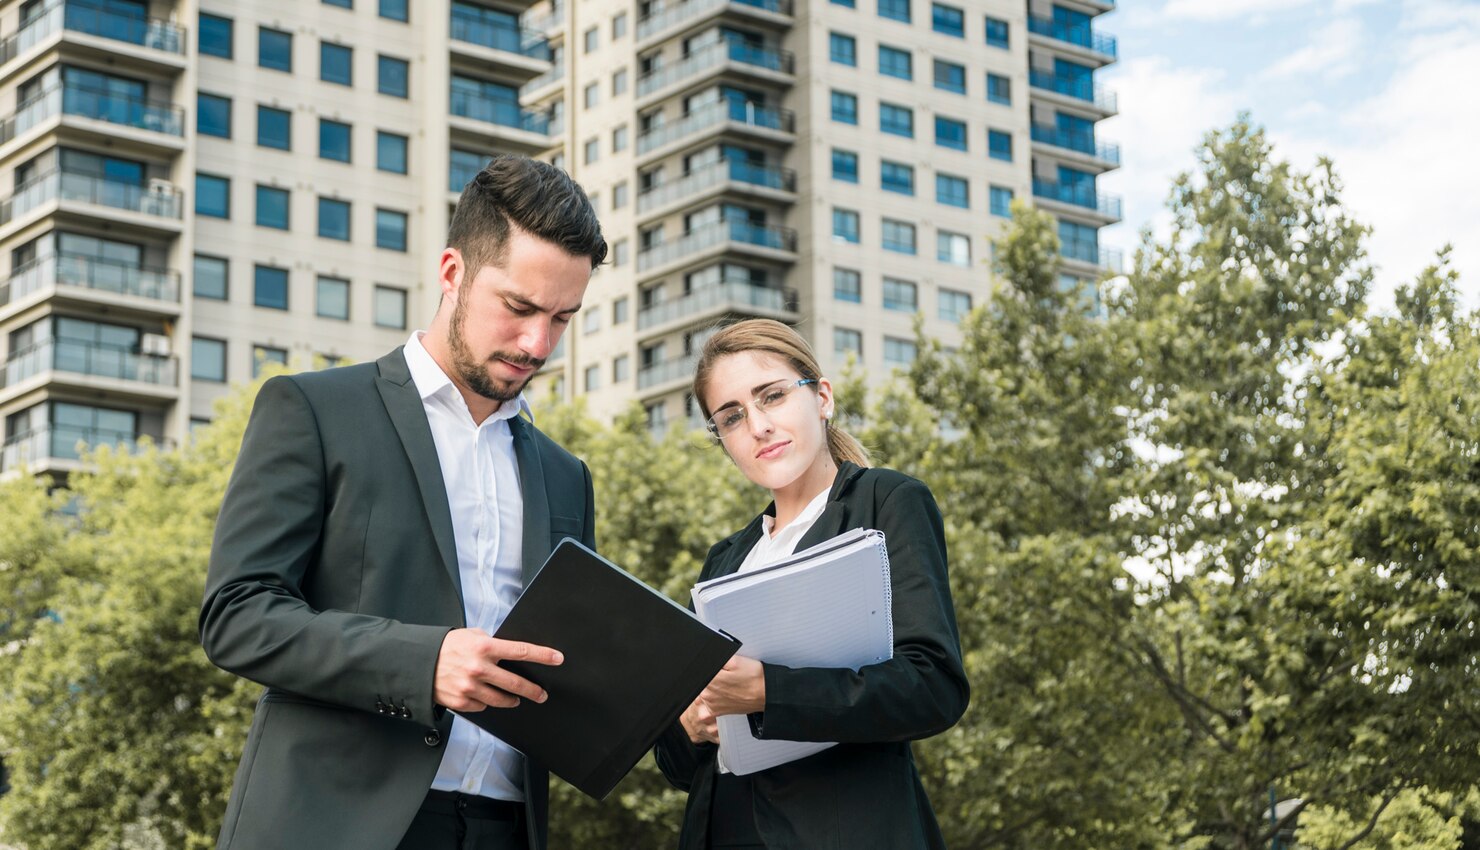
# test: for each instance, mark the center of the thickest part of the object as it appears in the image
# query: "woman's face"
(779, 448)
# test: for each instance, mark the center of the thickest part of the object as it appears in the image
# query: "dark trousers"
(448, 821)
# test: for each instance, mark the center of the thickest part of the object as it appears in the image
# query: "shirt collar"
(808, 515)
(432, 382)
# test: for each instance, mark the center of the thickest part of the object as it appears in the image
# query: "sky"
(1389, 90)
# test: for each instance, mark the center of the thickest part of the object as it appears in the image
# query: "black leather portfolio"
(634, 660)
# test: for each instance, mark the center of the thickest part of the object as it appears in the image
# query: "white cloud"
(1227, 10)
(1331, 54)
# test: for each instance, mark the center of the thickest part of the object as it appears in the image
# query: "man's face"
(506, 320)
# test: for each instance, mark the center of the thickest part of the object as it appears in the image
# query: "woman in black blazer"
(770, 408)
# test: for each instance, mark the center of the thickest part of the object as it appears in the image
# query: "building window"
(953, 306)
(896, 120)
(213, 115)
(845, 226)
(953, 248)
(899, 352)
(1002, 201)
(343, 4)
(590, 321)
(209, 277)
(212, 196)
(592, 39)
(208, 359)
(591, 95)
(265, 354)
(395, 10)
(591, 151)
(948, 20)
(896, 177)
(619, 82)
(215, 38)
(336, 64)
(592, 380)
(999, 89)
(950, 77)
(619, 139)
(621, 368)
(619, 25)
(275, 49)
(390, 152)
(333, 298)
(621, 252)
(393, 76)
(390, 230)
(844, 107)
(900, 295)
(334, 219)
(272, 207)
(620, 310)
(950, 133)
(274, 128)
(952, 191)
(620, 193)
(899, 236)
(390, 307)
(894, 62)
(851, 4)
(334, 140)
(842, 49)
(844, 166)
(847, 341)
(895, 10)
(997, 32)
(847, 286)
(999, 145)
(270, 287)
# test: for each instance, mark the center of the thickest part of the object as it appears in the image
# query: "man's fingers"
(515, 650)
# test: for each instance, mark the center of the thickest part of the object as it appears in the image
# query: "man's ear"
(450, 272)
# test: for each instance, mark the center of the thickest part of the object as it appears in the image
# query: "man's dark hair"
(534, 196)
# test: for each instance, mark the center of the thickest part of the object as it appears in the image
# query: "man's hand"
(469, 678)
(701, 723)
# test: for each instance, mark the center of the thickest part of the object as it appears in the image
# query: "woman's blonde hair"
(766, 336)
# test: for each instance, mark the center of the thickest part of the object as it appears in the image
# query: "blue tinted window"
(1002, 201)
(394, 76)
(896, 177)
(212, 196)
(390, 230)
(999, 88)
(900, 295)
(845, 225)
(847, 285)
(948, 20)
(274, 127)
(845, 166)
(997, 32)
(844, 107)
(842, 49)
(336, 64)
(899, 236)
(270, 287)
(952, 191)
(849, 3)
(272, 207)
(275, 49)
(464, 166)
(394, 9)
(213, 115)
(334, 219)
(896, 120)
(215, 36)
(343, 4)
(950, 133)
(950, 77)
(334, 140)
(894, 62)
(999, 145)
(390, 152)
(898, 10)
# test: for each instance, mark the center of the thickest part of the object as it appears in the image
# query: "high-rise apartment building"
(191, 190)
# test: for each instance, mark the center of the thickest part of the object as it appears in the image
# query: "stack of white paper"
(827, 606)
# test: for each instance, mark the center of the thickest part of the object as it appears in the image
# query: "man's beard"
(474, 373)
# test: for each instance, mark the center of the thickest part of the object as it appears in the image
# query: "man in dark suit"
(379, 523)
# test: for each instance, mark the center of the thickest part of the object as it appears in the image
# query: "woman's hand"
(701, 723)
(738, 688)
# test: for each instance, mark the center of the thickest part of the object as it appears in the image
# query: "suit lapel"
(829, 523)
(403, 404)
(536, 498)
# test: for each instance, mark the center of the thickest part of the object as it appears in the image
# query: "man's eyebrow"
(521, 301)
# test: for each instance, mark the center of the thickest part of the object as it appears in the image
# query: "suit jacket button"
(432, 738)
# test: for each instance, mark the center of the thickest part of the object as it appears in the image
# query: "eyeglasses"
(723, 423)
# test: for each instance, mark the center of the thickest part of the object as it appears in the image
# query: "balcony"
(1082, 143)
(549, 23)
(730, 53)
(159, 200)
(1079, 88)
(1090, 253)
(150, 33)
(734, 115)
(729, 296)
(155, 372)
(37, 450)
(471, 29)
(1083, 195)
(1103, 46)
(680, 369)
(94, 276)
(692, 11)
(705, 237)
(544, 85)
(734, 173)
(154, 116)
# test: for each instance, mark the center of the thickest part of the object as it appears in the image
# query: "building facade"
(191, 190)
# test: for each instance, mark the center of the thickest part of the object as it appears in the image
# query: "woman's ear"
(825, 397)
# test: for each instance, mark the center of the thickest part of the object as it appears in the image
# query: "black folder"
(634, 660)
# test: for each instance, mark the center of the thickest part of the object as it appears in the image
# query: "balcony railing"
(502, 112)
(1079, 88)
(764, 176)
(1080, 195)
(60, 442)
(719, 112)
(740, 293)
(691, 9)
(159, 199)
(154, 115)
(1079, 36)
(709, 235)
(550, 77)
(1077, 141)
(86, 18)
(91, 273)
(525, 42)
(554, 18)
(1108, 259)
(710, 56)
(89, 358)
(679, 368)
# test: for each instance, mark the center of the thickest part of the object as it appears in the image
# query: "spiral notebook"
(825, 606)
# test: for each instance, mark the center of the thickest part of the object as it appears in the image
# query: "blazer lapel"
(536, 499)
(403, 404)
(731, 559)
(830, 523)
